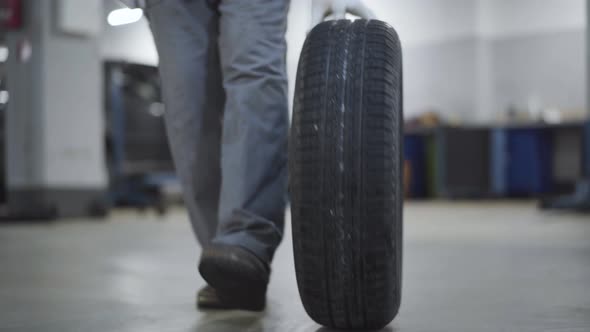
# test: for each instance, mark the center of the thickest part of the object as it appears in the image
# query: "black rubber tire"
(346, 174)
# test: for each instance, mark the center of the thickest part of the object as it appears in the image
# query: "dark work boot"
(237, 279)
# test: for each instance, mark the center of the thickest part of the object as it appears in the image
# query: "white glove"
(320, 9)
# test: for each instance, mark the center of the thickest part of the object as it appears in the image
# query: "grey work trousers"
(224, 81)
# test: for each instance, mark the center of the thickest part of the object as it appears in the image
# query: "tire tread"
(345, 166)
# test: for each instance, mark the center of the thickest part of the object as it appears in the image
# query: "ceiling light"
(124, 16)
(4, 53)
(4, 96)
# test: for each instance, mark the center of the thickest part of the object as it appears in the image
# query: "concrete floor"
(468, 267)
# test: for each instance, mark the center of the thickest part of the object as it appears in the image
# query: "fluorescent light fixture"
(124, 16)
(4, 53)
(4, 96)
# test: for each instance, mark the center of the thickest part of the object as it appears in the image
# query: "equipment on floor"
(501, 161)
(415, 166)
(54, 154)
(346, 164)
(463, 161)
(140, 165)
(522, 161)
(579, 200)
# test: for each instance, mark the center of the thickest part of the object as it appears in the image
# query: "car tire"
(345, 163)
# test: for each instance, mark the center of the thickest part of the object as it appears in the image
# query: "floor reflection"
(268, 321)
(219, 321)
(386, 329)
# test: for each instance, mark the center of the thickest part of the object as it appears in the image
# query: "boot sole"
(239, 283)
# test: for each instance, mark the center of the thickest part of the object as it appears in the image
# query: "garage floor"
(468, 267)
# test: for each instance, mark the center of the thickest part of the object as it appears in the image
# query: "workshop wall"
(537, 53)
(463, 58)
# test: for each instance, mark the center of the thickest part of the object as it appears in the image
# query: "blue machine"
(521, 161)
(579, 200)
(415, 156)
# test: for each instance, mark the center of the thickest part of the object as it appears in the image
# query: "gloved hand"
(338, 8)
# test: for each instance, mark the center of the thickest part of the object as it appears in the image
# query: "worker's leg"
(255, 127)
(186, 35)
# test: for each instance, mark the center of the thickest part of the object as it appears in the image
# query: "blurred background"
(497, 170)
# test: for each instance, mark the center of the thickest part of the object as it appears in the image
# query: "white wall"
(547, 68)
(510, 18)
(419, 23)
(428, 21)
(299, 21)
(451, 50)
(439, 65)
(536, 53)
(472, 59)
